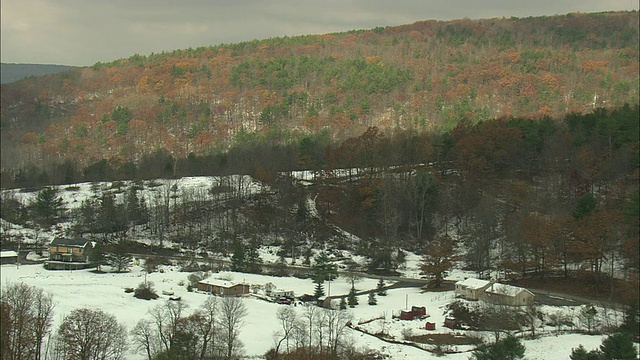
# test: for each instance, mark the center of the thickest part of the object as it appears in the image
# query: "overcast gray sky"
(83, 32)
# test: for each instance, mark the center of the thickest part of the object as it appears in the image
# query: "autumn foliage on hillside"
(427, 76)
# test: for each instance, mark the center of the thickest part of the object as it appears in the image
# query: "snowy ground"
(75, 289)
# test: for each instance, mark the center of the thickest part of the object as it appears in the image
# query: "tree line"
(210, 332)
(169, 331)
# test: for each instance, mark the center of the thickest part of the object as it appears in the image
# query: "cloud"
(82, 32)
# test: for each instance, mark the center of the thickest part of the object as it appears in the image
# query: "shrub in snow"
(255, 288)
(343, 304)
(372, 299)
(197, 277)
(381, 290)
(269, 288)
(151, 264)
(145, 291)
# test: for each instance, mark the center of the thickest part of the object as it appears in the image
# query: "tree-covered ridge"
(426, 76)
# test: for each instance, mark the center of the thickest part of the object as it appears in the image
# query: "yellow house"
(63, 253)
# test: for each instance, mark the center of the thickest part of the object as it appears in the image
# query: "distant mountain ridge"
(10, 72)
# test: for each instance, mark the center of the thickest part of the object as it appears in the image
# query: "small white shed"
(8, 257)
(282, 293)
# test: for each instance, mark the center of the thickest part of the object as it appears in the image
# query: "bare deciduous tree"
(232, 312)
(166, 321)
(144, 338)
(87, 334)
(336, 328)
(288, 320)
(309, 316)
(319, 333)
(27, 313)
(207, 327)
(171, 335)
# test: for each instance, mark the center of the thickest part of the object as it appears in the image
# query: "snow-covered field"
(75, 289)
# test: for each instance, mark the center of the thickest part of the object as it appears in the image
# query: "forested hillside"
(181, 112)
(503, 145)
(517, 197)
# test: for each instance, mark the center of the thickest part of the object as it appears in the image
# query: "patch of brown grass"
(445, 339)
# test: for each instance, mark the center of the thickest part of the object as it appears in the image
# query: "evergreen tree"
(618, 346)
(323, 269)
(97, 256)
(119, 259)
(510, 348)
(631, 324)
(301, 212)
(343, 304)
(121, 115)
(372, 299)
(47, 207)
(89, 221)
(239, 258)
(580, 353)
(253, 261)
(352, 299)
(380, 288)
(136, 208)
(112, 214)
(586, 205)
(318, 291)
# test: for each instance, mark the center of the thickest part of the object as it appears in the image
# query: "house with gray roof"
(69, 254)
(471, 288)
(493, 292)
(223, 288)
(510, 295)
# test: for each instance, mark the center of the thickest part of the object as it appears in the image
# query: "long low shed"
(223, 288)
